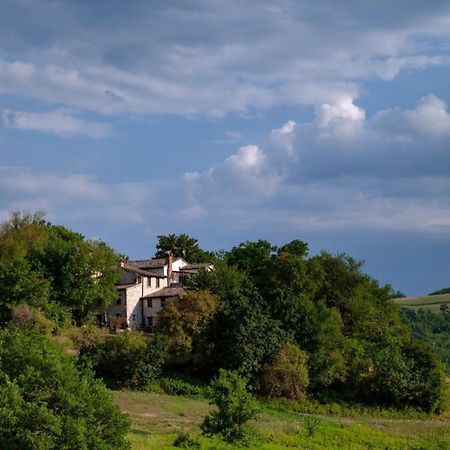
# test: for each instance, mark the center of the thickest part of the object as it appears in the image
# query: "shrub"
(22, 315)
(409, 374)
(47, 403)
(287, 376)
(185, 440)
(235, 408)
(128, 359)
(184, 320)
(180, 386)
(310, 424)
(87, 337)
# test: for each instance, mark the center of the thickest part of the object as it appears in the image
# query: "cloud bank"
(207, 58)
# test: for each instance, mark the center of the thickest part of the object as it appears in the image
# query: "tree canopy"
(46, 265)
(182, 246)
(46, 402)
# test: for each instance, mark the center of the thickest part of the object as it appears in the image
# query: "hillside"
(158, 418)
(430, 302)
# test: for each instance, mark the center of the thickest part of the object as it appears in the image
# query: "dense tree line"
(53, 269)
(289, 323)
(353, 337)
(432, 328)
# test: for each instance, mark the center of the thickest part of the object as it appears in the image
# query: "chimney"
(169, 260)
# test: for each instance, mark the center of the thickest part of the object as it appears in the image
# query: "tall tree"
(182, 246)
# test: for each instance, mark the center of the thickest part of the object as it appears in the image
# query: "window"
(149, 281)
(119, 301)
(134, 317)
(158, 280)
(163, 302)
(118, 315)
(150, 321)
(138, 280)
(149, 303)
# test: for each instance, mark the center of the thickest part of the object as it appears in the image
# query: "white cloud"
(60, 122)
(339, 171)
(210, 59)
(248, 159)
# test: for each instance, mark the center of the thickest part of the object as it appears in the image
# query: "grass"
(431, 302)
(157, 419)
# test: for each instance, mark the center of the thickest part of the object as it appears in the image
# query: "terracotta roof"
(173, 291)
(138, 271)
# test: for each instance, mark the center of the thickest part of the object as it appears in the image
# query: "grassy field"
(158, 418)
(431, 302)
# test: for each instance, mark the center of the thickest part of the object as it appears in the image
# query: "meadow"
(157, 419)
(430, 302)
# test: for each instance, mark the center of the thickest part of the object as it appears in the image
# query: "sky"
(235, 120)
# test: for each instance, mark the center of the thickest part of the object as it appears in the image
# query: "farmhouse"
(144, 287)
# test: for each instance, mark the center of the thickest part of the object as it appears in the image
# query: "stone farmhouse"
(144, 287)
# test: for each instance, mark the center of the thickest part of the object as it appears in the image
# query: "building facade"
(144, 287)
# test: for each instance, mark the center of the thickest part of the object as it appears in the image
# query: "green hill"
(430, 302)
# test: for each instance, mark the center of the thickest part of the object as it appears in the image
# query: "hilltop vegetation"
(432, 303)
(274, 322)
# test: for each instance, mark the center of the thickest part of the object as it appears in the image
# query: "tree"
(46, 265)
(253, 258)
(127, 359)
(182, 246)
(235, 408)
(184, 321)
(46, 402)
(408, 374)
(287, 376)
(82, 273)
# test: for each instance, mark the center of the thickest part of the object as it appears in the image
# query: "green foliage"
(46, 265)
(408, 374)
(18, 284)
(434, 329)
(47, 403)
(310, 425)
(441, 291)
(252, 258)
(243, 337)
(81, 272)
(185, 440)
(287, 376)
(184, 320)
(128, 359)
(178, 385)
(343, 319)
(235, 408)
(182, 246)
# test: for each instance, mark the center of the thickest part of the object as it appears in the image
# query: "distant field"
(158, 418)
(431, 302)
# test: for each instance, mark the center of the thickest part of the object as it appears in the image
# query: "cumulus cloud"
(340, 170)
(390, 174)
(60, 123)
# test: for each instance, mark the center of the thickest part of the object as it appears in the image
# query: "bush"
(409, 374)
(287, 376)
(180, 386)
(47, 403)
(185, 440)
(87, 337)
(235, 408)
(129, 359)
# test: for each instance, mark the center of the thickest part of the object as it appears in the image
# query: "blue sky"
(324, 121)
